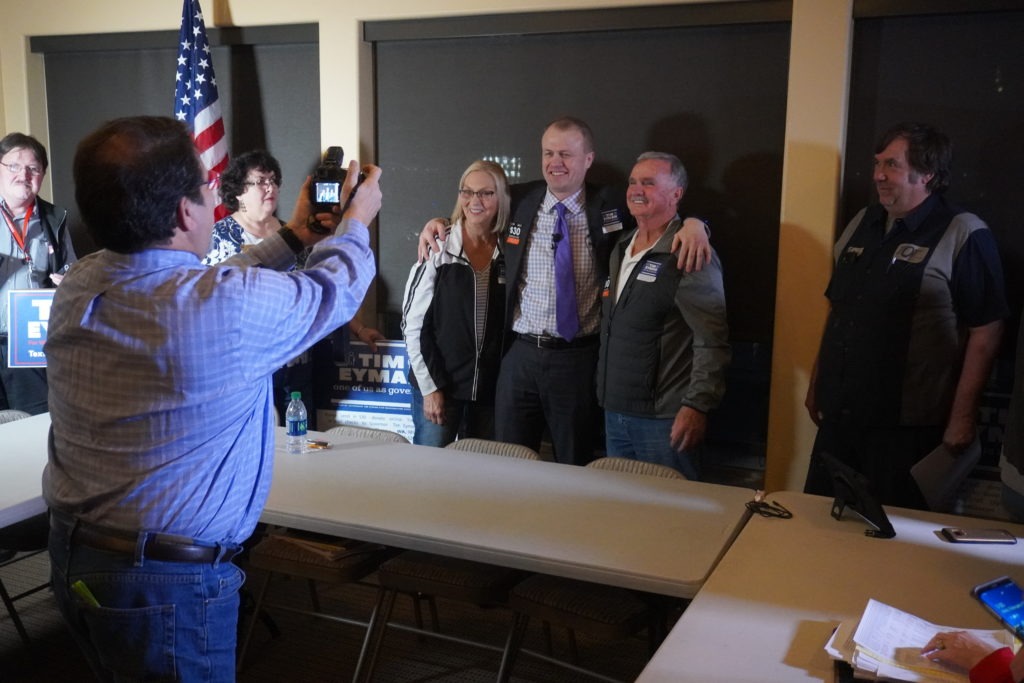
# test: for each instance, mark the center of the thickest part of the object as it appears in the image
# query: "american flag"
(195, 92)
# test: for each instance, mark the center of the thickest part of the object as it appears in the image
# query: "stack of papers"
(885, 644)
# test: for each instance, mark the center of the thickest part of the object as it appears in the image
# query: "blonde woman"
(453, 315)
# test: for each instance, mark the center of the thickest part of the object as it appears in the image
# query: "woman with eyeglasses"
(453, 315)
(250, 187)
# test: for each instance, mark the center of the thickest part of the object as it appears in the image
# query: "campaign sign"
(28, 315)
(369, 389)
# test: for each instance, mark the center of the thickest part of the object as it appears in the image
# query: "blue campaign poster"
(368, 389)
(28, 315)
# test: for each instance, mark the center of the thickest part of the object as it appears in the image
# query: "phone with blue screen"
(1004, 598)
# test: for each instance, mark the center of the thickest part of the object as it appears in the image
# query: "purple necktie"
(565, 279)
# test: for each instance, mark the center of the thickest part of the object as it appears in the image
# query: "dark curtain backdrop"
(964, 74)
(713, 95)
(267, 79)
(707, 83)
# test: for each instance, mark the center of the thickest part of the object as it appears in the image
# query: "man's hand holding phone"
(361, 193)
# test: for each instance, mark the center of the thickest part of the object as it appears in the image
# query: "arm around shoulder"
(693, 242)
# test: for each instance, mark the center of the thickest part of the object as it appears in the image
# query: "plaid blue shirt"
(160, 378)
(536, 313)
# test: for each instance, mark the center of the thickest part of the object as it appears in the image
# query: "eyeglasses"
(213, 182)
(265, 183)
(482, 195)
(18, 168)
(764, 508)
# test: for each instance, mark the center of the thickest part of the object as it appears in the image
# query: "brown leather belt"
(161, 547)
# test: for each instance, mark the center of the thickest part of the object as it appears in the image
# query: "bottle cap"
(296, 395)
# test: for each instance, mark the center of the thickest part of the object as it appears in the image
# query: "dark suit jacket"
(526, 201)
(54, 220)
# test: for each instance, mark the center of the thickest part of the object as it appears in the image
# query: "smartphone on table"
(1003, 598)
(961, 535)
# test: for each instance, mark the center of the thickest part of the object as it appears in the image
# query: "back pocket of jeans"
(134, 643)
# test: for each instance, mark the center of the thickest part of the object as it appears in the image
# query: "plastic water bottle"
(295, 423)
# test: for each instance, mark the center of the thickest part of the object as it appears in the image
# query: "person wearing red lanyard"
(35, 252)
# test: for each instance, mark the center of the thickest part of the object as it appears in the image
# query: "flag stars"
(185, 46)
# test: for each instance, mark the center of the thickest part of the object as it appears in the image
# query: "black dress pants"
(538, 386)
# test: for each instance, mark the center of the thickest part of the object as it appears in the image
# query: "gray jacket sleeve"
(700, 298)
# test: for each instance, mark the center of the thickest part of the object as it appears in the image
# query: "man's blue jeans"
(647, 439)
(158, 621)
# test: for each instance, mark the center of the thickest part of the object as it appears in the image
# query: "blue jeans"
(157, 621)
(461, 419)
(648, 439)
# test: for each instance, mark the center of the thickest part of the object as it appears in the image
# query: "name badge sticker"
(649, 271)
(610, 221)
(910, 253)
(515, 231)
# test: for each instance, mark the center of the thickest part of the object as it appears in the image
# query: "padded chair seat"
(367, 433)
(10, 415)
(447, 577)
(605, 612)
(653, 469)
(509, 450)
(350, 562)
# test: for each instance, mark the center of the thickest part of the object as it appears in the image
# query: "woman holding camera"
(453, 315)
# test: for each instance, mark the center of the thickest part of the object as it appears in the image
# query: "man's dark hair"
(928, 151)
(13, 141)
(232, 181)
(130, 174)
(573, 123)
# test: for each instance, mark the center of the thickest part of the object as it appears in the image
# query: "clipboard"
(940, 473)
